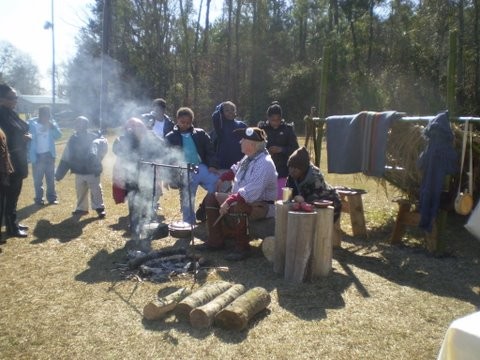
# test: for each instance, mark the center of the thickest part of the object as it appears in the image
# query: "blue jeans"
(205, 179)
(44, 167)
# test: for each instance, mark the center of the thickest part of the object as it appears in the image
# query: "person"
(282, 142)
(197, 151)
(18, 137)
(83, 156)
(135, 144)
(161, 124)
(6, 169)
(42, 154)
(157, 120)
(307, 182)
(252, 197)
(226, 143)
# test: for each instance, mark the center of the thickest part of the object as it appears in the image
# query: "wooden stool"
(352, 204)
(408, 217)
(303, 247)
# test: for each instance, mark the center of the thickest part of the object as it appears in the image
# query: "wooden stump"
(200, 297)
(322, 243)
(158, 308)
(337, 235)
(268, 248)
(281, 216)
(203, 316)
(300, 230)
(236, 315)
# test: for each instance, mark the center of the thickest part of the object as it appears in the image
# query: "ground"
(63, 298)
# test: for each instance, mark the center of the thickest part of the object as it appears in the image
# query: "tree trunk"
(236, 315)
(200, 297)
(203, 316)
(281, 216)
(158, 308)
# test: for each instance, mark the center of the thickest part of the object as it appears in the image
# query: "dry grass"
(61, 299)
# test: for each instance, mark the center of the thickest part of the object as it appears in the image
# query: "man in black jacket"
(18, 137)
(196, 150)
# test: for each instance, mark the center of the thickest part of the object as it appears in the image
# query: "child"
(83, 156)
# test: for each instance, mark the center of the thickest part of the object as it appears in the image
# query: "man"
(83, 156)
(253, 194)
(282, 142)
(18, 137)
(157, 120)
(42, 153)
(196, 149)
(137, 144)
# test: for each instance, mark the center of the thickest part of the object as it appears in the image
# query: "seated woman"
(307, 182)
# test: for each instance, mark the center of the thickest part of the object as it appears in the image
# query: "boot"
(242, 246)
(215, 233)
(13, 229)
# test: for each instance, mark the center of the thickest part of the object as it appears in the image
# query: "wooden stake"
(158, 308)
(281, 216)
(203, 316)
(236, 315)
(200, 297)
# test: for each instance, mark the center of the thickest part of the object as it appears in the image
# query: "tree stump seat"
(352, 203)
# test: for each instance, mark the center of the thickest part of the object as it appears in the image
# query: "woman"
(18, 137)
(281, 142)
(308, 184)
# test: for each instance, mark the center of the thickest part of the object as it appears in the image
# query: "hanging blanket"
(436, 161)
(357, 143)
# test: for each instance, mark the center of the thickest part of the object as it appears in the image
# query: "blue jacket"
(54, 134)
(202, 142)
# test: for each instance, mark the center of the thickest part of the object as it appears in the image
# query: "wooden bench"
(352, 204)
(407, 216)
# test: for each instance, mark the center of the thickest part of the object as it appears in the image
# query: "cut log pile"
(227, 305)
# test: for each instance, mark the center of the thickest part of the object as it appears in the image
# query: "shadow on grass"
(453, 274)
(68, 230)
(29, 210)
(121, 225)
(101, 267)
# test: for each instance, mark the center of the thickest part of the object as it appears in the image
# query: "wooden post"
(322, 111)
(300, 229)
(357, 215)
(236, 315)
(322, 243)
(399, 227)
(281, 216)
(337, 234)
(203, 316)
(200, 297)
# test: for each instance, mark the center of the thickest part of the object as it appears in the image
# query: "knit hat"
(252, 133)
(300, 159)
(274, 109)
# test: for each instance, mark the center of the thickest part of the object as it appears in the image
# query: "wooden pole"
(281, 216)
(322, 111)
(322, 245)
(203, 316)
(158, 308)
(200, 297)
(236, 315)
(298, 249)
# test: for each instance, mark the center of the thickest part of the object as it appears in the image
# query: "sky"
(22, 22)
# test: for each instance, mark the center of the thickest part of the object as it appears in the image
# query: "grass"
(61, 297)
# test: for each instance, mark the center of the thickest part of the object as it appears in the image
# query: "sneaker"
(101, 213)
(39, 202)
(54, 202)
(80, 212)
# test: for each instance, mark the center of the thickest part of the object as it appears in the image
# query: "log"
(237, 315)
(300, 231)
(203, 316)
(268, 248)
(281, 215)
(158, 308)
(322, 243)
(200, 297)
